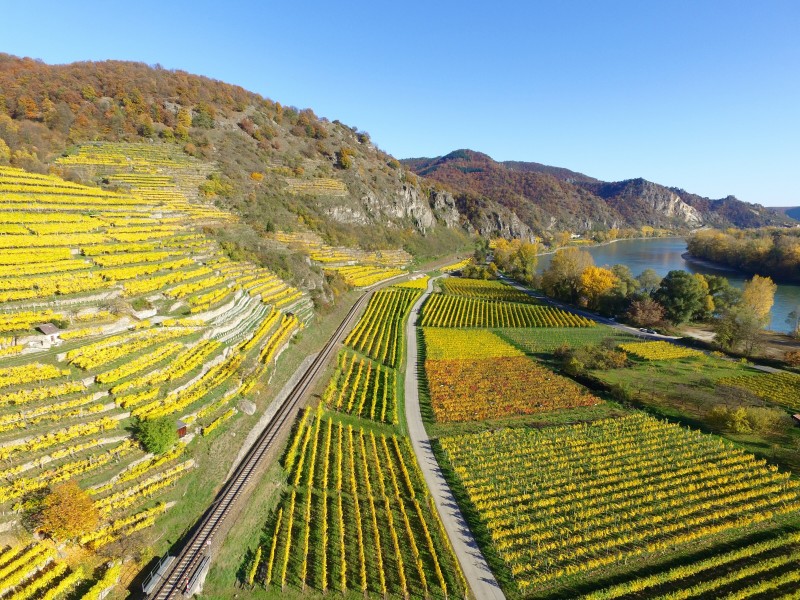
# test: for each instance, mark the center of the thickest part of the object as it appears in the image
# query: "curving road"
(476, 571)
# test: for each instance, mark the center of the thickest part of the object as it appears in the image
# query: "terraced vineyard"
(322, 186)
(568, 501)
(35, 570)
(114, 307)
(365, 276)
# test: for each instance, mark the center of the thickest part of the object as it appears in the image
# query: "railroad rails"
(184, 572)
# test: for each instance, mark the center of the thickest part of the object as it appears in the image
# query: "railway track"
(195, 553)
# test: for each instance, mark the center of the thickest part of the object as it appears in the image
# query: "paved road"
(477, 573)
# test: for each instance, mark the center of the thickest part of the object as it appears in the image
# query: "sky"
(701, 95)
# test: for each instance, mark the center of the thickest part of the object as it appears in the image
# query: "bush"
(792, 358)
(600, 357)
(748, 419)
(157, 435)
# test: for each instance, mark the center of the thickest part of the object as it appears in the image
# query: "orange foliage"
(68, 512)
(471, 390)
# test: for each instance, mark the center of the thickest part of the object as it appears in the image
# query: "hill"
(545, 197)
(279, 167)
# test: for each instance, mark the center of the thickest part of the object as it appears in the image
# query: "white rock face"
(675, 207)
(408, 204)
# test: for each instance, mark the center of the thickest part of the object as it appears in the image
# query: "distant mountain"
(545, 197)
(789, 211)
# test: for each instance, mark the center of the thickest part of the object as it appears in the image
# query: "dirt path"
(476, 571)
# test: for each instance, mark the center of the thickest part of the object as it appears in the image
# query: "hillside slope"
(547, 197)
(281, 167)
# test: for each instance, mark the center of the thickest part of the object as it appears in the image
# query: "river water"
(664, 255)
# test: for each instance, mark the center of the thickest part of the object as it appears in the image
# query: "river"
(664, 255)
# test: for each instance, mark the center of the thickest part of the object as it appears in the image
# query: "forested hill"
(280, 167)
(545, 196)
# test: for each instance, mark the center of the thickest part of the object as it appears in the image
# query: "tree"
(562, 279)
(616, 300)
(742, 324)
(649, 281)
(204, 115)
(561, 238)
(739, 327)
(706, 310)
(724, 294)
(157, 435)
(626, 284)
(518, 258)
(595, 282)
(481, 250)
(758, 295)
(681, 294)
(792, 358)
(645, 312)
(68, 512)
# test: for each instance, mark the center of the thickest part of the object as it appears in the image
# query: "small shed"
(51, 332)
(796, 418)
(180, 426)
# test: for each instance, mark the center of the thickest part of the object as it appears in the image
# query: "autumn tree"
(481, 250)
(5, 153)
(758, 296)
(67, 512)
(707, 307)
(742, 324)
(595, 282)
(562, 279)
(724, 294)
(561, 238)
(645, 312)
(518, 258)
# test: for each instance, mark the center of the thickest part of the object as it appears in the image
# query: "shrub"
(748, 419)
(792, 358)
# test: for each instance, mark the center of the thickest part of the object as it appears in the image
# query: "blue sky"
(696, 94)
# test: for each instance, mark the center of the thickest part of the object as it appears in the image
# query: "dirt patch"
(774, 344)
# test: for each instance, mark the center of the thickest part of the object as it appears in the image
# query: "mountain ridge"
(579, 202)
